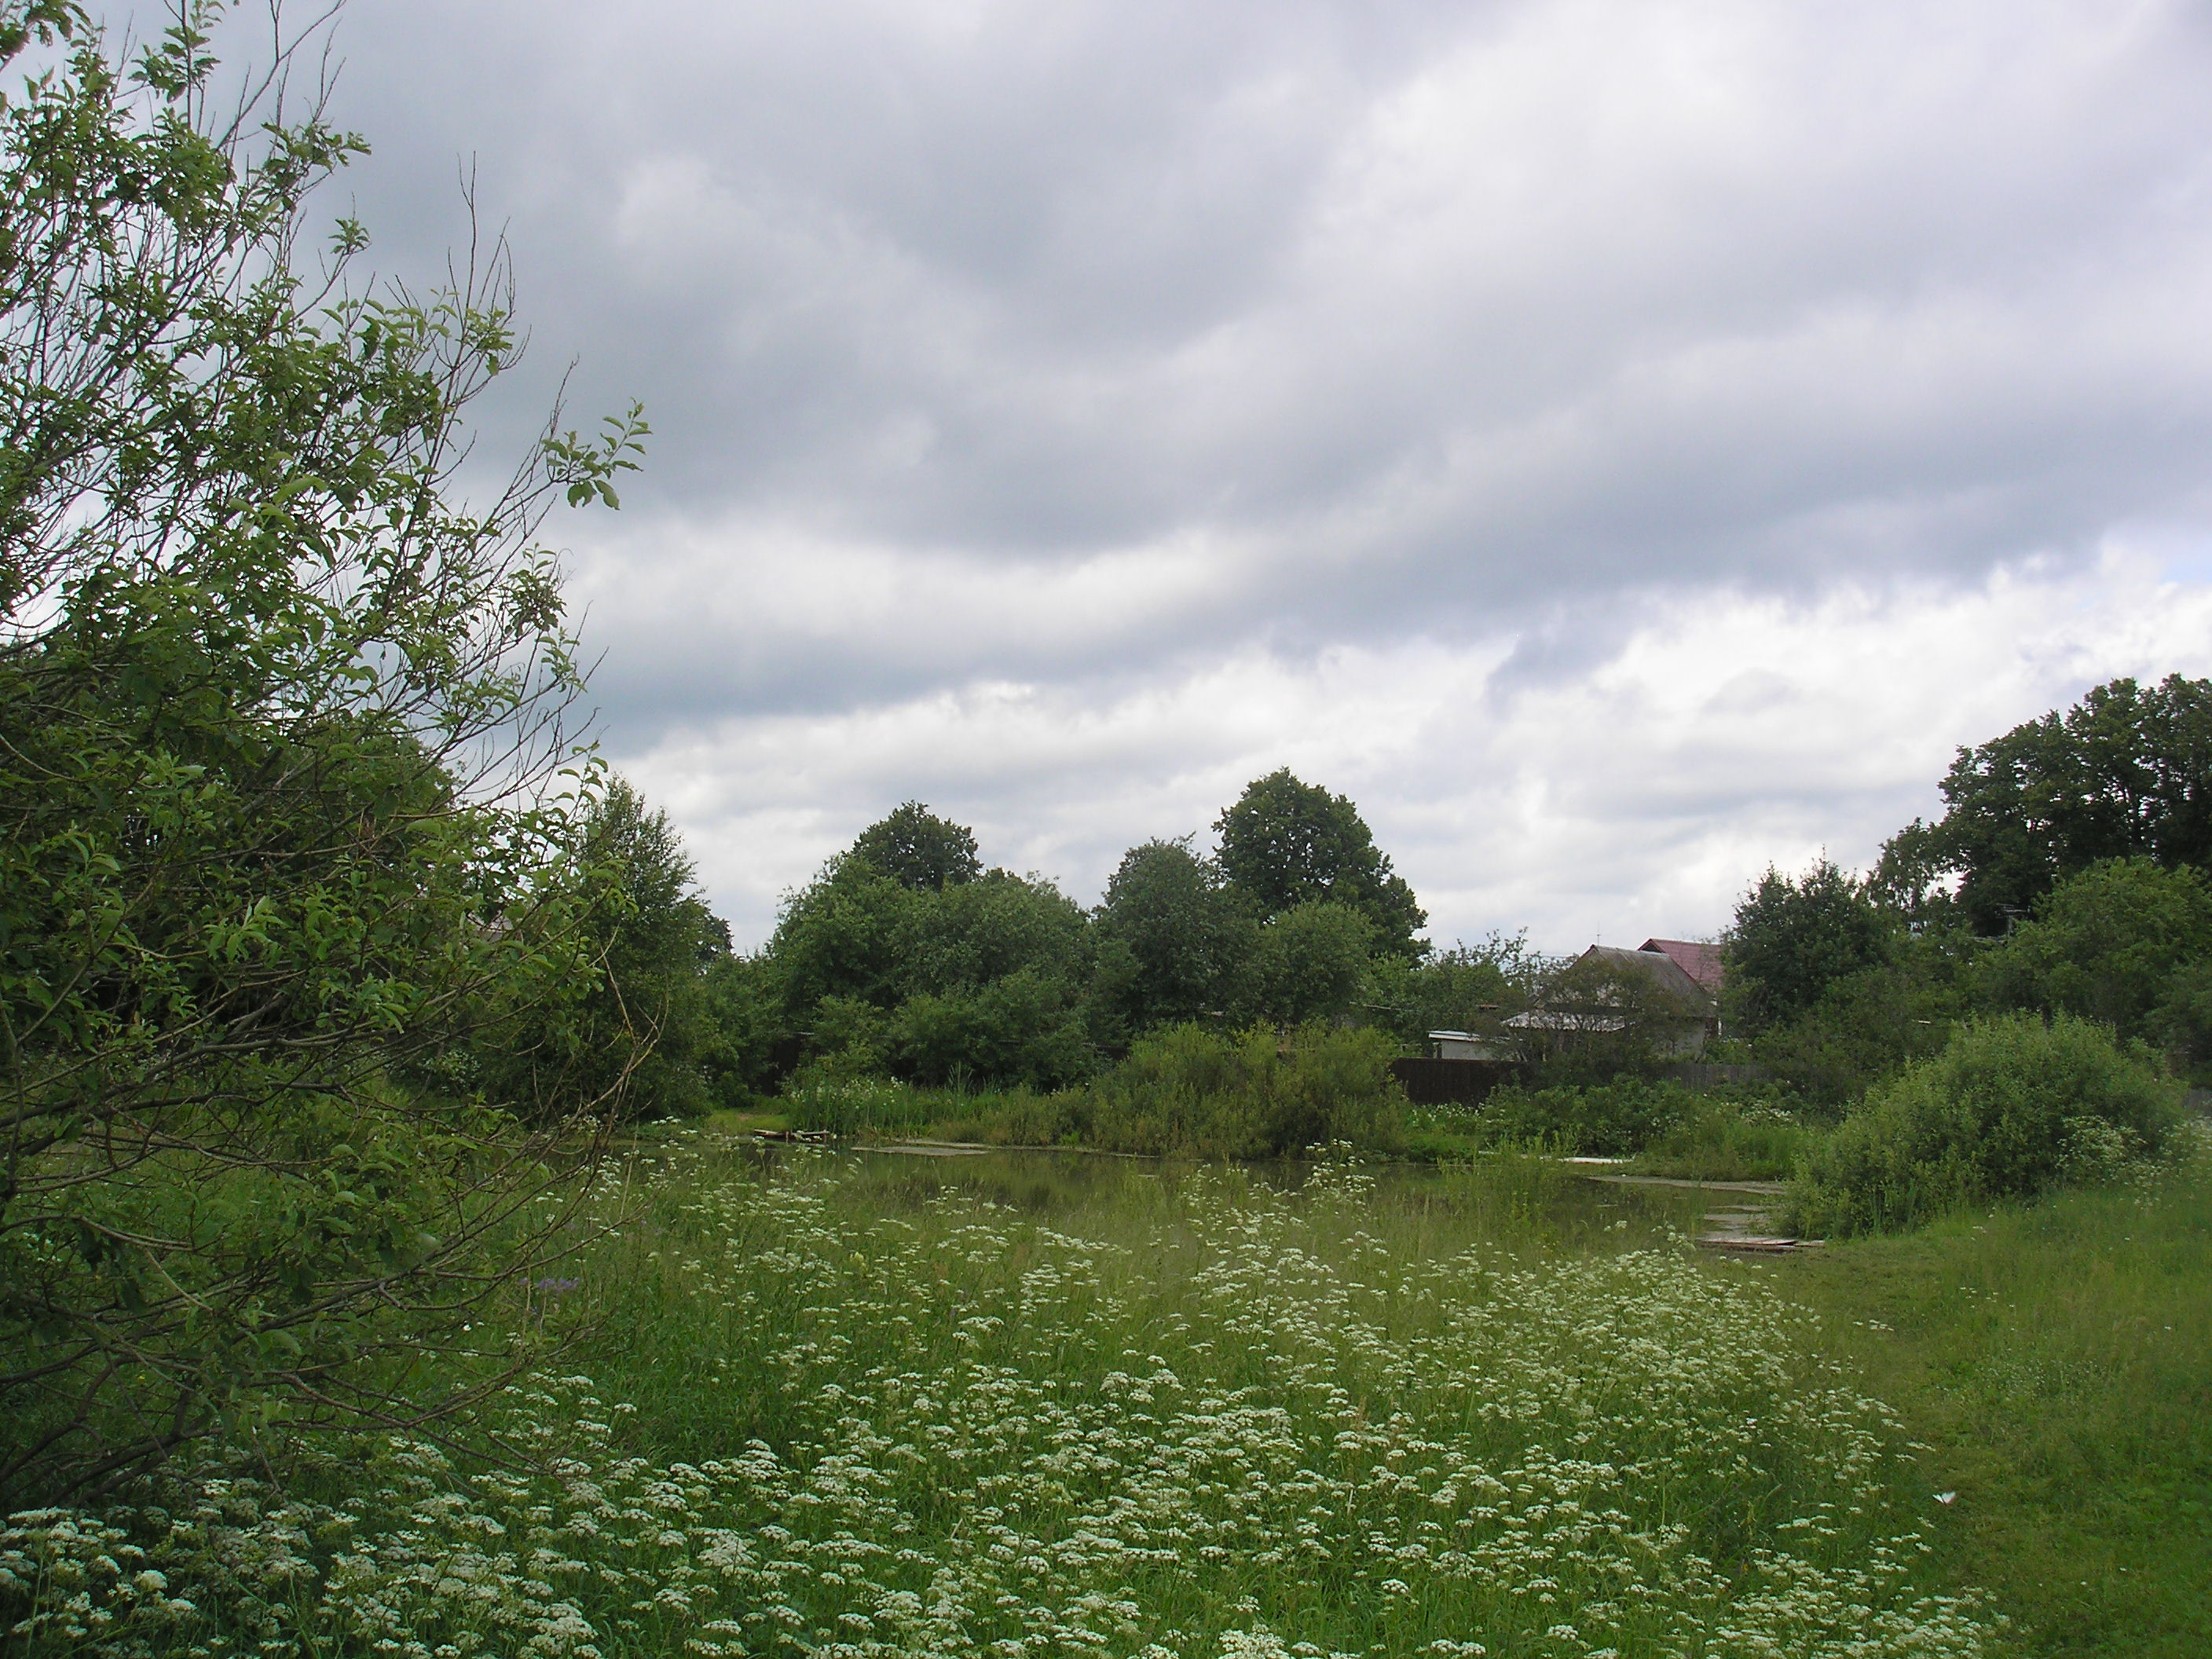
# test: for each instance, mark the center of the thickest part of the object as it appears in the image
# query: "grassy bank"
(2056, 1363)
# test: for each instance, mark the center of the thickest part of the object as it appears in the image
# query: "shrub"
(1609, 1120)
(1250, 1094)
(2011, 1108)
(1725, 1136)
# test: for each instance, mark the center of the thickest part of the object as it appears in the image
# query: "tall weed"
(1205, 1093)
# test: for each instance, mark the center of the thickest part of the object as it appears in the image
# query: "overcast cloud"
(1618, 444)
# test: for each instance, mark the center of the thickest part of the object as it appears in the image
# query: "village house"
(1673, 984)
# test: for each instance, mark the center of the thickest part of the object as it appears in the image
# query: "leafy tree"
(1869, 1025)
(977, 981)
(1023, 1028)
(747, 1031)
(634, 1034)
(1173, 946)
(283, 802)
(2108, 944)
(1792, 939)
(844, 935)
(918, 849)
(2125, 773)
(1467, 988)
(1286, 843)
(1309, 965)
(1595, 1017)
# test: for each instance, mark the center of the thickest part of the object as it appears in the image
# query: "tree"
(2125, 773)
(1597, 1017)
(918, 849)
(632, 1036)
(1173, 946)
(1469, 987)
(978, 979)
(286, 795)
(1286, 843)
(1309, 964)
(2110, 944)
(1791, 939)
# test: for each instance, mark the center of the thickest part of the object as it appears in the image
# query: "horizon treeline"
(2064, 875)
(906, 957)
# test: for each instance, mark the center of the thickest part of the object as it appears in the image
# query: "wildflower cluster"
(1251, 1428)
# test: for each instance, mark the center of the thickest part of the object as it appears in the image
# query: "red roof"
(1702, 963)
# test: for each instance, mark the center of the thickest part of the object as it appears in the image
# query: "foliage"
(2125, 773)
(978, 981)
(1172, 944)
(1599, 1119)
(1197, 1090)
(918, 849)
(1727, 1135)
(1792, 939)
(285, 792)
(1600, 1016)
(1214, 1421)
(1309, 963)
(1023, 1029)
(2012, 1106)
(746, 1031)
(2107, 943)
(1286, 843)
(1467, 988)
(1870, 1025)
(634, 1032)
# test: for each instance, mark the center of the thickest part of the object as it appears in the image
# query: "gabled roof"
(1702, 963)
(1666, 974)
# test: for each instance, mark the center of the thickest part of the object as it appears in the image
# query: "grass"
(838, 1405)
(2055, 1361)
(854, 1406)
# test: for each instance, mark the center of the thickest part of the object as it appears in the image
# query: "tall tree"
(916, 848)
(1172, 944)
(2125, 773)
(1287, 842)
(1791, 939)
(285, 790)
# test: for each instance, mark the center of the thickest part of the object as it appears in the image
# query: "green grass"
(872, 1406)
(2056, 1363)
(1305, 1412)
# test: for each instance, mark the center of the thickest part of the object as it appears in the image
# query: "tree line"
(2065, 876)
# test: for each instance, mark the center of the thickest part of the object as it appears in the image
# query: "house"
(1700, 961)
(1669, 987)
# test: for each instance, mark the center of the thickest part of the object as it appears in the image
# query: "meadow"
(856, 1404)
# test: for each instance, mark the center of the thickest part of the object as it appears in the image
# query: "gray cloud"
(1073, 359)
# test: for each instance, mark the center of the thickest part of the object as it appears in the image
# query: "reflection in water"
(1520, 1204)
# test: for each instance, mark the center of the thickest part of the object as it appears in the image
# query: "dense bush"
(2114, 944)
(2012, 1106)
(1250, 1094)
(1606, 1119)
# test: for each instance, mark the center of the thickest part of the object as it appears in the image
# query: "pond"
(1523, 1206)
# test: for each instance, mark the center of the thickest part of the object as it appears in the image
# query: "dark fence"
(1455, 1081)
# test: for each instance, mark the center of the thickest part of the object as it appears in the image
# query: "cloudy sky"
(1618, 444)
